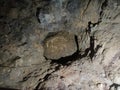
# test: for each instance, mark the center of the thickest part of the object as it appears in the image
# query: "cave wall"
(60, 44)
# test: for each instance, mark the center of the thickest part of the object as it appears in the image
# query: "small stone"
(59, 45)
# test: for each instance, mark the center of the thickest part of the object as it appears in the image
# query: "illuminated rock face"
(39, 40)
(72, 14)
(60, 45)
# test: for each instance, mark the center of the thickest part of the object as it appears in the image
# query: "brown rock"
(59, 45)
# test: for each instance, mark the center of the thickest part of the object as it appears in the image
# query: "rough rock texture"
(70, 14)
(89, 28)
(83, 41)
(59, 45)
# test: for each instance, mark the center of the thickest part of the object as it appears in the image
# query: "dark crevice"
(10, 61)
(104, 5)
(92, 48)
(92, 38)
(57, 67)
(37, 14)
(76, 40)
(16, 58)
(92, 45)
(97, 48)
(89, 27)
(36, 88)
(25, 79)
(115, 86)
(85, 53)
(44, 79)
(65, 61)
(22, 44)
(90, 24)
(39, 9)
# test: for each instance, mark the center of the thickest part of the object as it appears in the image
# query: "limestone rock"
(83, 41)
(24, 24)
(61, 44)
(55, 14)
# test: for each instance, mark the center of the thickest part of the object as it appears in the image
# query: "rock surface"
(85, 39)
(60, 45)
